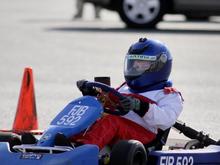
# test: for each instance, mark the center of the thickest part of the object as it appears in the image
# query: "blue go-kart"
(80, 114)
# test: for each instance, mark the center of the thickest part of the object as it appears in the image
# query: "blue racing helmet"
(147, 63)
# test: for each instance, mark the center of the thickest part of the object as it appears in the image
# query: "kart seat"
(159, 141)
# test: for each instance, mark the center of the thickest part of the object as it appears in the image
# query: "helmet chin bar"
(131, 77)
(149, 85)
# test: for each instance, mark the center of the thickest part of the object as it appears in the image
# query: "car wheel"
(130, 152)
(141, 13)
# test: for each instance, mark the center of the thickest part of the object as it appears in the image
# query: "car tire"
(130, 152)
(141, 13)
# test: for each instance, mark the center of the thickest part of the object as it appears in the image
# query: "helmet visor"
(136, 65)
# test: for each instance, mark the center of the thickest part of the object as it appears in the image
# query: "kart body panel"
(77, 116)
(82, 155)
(209, 155)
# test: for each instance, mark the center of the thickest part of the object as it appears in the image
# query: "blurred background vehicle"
(80, 8)
(147, 13)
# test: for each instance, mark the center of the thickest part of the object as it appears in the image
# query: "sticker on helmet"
(141, 57)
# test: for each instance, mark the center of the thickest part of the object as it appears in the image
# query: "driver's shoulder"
(161, 94)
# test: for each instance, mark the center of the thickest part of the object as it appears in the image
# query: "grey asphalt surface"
(41, 34)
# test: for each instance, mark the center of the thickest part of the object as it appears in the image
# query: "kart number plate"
(31, 156)
(73, 116)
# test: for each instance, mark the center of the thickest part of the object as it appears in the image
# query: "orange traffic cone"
(26, 115)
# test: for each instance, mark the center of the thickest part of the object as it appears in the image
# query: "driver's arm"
(165, 113)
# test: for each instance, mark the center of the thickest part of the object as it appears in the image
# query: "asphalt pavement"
(42, 34)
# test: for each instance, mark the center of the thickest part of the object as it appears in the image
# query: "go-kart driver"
(150, 100)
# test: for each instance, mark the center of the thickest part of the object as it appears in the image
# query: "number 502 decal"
(179, 160)
(73, 116)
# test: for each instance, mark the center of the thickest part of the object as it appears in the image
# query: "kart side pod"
(209, 155)
(83, 155)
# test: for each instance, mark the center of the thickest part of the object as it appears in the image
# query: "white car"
(147, 13)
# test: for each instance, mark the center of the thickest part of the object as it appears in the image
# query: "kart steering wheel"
(108, 89)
